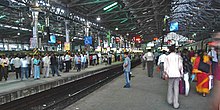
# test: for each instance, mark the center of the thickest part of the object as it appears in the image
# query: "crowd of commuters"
(42, 66)
(183, 66)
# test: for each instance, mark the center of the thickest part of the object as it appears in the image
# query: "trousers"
(150, 68)
(161, 69)
(173, 92)
(36, 72)
(46, 71)
(127, 81)
(24, 72)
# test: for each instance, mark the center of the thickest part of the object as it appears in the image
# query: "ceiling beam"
(88, 3)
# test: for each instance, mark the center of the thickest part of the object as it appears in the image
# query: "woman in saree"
(193, 76)
(202, 77)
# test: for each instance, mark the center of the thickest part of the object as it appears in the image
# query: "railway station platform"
(15, 89)
(145, 94)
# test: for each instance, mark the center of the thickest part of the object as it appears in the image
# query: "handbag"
(165, 76)
(204, 67)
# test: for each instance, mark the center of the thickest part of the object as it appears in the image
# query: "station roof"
(197, 19)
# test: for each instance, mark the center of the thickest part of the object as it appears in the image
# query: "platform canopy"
(196, 19)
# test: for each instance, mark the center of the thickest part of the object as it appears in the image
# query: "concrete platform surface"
(145, 94)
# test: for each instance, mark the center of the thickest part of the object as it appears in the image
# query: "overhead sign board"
(174, 26)
(88, 40)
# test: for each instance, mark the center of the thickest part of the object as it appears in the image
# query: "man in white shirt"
(83, 61)
(24, 67)
(149, 56)
(213, 55)
(67, 62)
(173, 67)
(46, 64)
(17, 65)
(160, 62)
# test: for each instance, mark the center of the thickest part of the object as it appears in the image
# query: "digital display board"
(174, 26)
(52, 39)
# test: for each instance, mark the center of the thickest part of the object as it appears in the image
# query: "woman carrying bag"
(202, 73)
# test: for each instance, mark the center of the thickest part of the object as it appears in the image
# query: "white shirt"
(161, 59)
(149, 56)
(83, 58)
(67, 58)
(46, 61)
(24, 63)
(12, 61)
(99, 55)
(213, 54)
(173, 65)
(94, 57)
(17, 62)
(5, 61)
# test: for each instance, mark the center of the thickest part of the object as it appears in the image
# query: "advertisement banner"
(66, 46)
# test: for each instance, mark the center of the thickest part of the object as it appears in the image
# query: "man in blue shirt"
(127, 69)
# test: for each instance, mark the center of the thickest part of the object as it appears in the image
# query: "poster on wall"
(66, 46)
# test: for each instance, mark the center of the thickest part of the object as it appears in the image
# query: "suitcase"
(181, 86)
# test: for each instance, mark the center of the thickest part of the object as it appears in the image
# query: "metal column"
(35, 13)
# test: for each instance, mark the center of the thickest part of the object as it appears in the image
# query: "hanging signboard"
(88, 40)
(174, 26)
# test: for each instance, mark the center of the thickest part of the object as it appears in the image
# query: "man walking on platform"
(150, 62)
(214, 57)
(173, 68)
(160, 63)
(127, 70)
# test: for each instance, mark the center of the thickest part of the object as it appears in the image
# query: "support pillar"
(35, 13)
(87, 46)
(67, 31)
